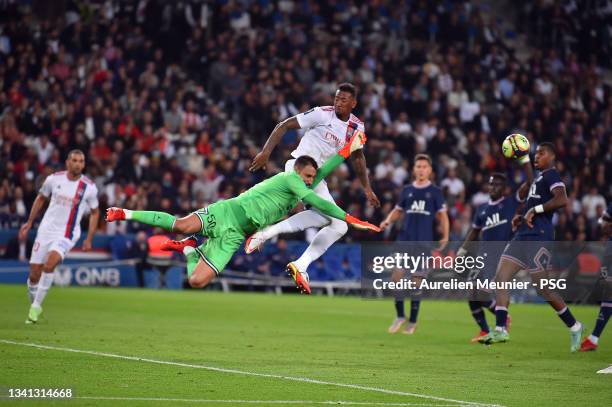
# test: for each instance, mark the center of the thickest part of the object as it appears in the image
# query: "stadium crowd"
(170, 101)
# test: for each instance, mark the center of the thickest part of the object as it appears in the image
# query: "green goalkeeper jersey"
(269, 201)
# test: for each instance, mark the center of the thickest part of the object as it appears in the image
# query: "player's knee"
(339, 227)
(34, 276)
(196, 281)
(200, 280)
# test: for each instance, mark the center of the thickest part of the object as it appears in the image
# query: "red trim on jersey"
(327, 108)
(87, 180)
(76, 201)
(356, 119)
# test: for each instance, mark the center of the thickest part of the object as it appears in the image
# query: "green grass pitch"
(286, 350)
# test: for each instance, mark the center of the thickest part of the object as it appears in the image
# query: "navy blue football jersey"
(540, 192)
(420, 205)
(494, 219)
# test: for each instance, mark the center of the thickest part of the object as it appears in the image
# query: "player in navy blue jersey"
(530, 248)
(493, 222)
(423, 204)
(590, 342)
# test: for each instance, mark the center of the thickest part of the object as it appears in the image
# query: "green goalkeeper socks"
(153, 218)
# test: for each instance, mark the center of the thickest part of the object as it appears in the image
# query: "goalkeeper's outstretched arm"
(333, 210)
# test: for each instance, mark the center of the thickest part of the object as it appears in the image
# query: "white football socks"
(298, 222)
(32, 288)
(321, 242)
(46, 280)
(576, 327)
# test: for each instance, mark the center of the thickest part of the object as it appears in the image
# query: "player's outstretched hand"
(529, 217)
(360, 224)
(23, 231)
(372, 198)
(384, 224)
(259, 162)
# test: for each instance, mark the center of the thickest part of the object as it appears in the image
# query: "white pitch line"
(607, 370)
(247, 373)
(326, 402)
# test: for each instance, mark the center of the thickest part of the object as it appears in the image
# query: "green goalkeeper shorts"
(223, 224)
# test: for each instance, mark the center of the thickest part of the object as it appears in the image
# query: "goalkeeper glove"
(360, 224)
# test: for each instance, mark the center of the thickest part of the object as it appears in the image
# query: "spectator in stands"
(151, 94)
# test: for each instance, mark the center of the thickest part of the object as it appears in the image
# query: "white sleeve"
(311, 118)
(47, 187)
(92, 198)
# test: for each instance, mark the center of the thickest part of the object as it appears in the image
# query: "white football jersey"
(69, 200)
(325, 134)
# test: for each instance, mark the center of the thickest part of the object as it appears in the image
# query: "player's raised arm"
(261, 159)
(333, 210)
(523, 189)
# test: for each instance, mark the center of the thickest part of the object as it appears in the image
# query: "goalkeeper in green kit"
(227, 223)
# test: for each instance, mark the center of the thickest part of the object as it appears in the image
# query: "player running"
(493, 222)
(226, 223)
(590, 342)
(423, 203)
(328, 128)
(70, 195)
(530, 248)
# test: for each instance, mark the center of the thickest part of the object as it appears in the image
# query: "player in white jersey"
(328, 128)
(70, 195)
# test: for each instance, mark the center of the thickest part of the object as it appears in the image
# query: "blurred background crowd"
(171, 100)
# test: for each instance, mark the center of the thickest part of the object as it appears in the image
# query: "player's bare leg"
(201, 275)
(33, 279)
(44, 284)
(554, 299)
(506, 269)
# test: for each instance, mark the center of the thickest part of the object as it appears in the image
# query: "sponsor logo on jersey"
(418, 206)
(494, 220)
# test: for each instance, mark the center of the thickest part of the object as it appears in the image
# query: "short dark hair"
(500, 176)
(425, 157)
(348, 88)
(305, 160)
(549, 146)
(75, 151)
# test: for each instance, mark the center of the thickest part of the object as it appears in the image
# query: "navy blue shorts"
(529, 252)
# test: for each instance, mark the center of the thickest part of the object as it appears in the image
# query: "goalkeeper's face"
(307, 173)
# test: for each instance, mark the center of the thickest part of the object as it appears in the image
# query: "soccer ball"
(515, 145)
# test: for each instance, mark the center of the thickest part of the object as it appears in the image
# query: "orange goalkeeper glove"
(360, 224)
(355, 143)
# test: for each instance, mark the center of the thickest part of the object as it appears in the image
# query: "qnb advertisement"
(578, 271)
(111, 273)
